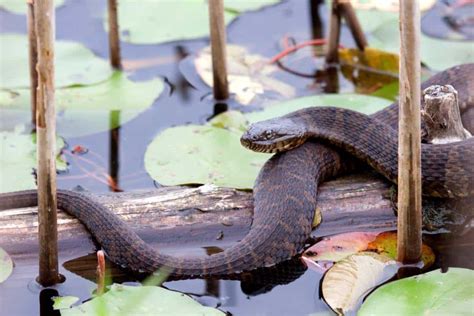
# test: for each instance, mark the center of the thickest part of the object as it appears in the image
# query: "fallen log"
(204, 216)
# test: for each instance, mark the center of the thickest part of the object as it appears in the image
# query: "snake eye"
(268, 134)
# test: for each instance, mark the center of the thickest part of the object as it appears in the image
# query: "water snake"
(285, 196)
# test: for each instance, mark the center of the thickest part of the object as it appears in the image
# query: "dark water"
(120, 152)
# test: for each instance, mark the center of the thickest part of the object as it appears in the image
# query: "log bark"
(409, 136)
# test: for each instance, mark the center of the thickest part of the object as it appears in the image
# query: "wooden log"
(218, 49)
(441, 115)
(206, 215)
(114, 37)
(33, 59)
(46, 145)
(409, 145)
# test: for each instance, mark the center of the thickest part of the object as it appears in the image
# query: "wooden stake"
(218, 42)
(409, 152)
(114, 38)
(46, 145)
(33, 59)
(332, 54)
(441, 115)
(350, 16)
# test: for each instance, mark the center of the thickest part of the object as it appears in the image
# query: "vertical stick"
(409, 152)
(350, 16)
(46, 144)
(218, 41)
(114, 39)
(33, 58)
(332, 55)
(114, 150)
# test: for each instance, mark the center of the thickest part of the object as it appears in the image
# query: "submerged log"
(205, 216)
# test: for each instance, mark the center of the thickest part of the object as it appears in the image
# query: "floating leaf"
(74, 63)
(86, 110)
(63, 302)
(370, 69)
(19, 6)
(248, 74)
(202, 154)
(361, 103)
(384, 28)
(210, 154)
(141, 300)
(6, 265)
(231, 120)
(387, 5)
(337, 247)
(348, 281)
(18, 159)
(177, 20)
(432, 293)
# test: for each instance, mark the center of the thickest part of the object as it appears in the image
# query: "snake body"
(286, 189)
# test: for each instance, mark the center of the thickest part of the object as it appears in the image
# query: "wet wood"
(205, 216)
(218, 49)
(441, 115)
(114, 37)
(332, 53)
(46, 144)
(409, 145)
(348, 13)
(33, 59)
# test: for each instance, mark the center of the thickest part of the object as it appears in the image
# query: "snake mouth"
(284, 143)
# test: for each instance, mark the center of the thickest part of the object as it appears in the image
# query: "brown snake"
(286, 189)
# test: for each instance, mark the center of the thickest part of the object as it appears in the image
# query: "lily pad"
(159, 21)
(63, 302)
(19, 6)
(348, 281)
(338, 247)
(6, 265)
(74, 63)
(86, 110)
(141, 300)
(248, 74)
(384, 30)
(213, 154)
(432, 293)
(18, 159)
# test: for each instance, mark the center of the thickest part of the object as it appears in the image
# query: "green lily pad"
(141, 300)
(18, 159)
(432, 293)
(62, 302)
(357, 102)
(6, 265)
(159, 21)
(384, 30)
(83, 110)
(74, 63)
(213, 154)
(19, 6)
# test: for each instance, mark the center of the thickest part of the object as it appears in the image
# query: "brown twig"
(218, 49)
(114, 38)
(46, 145)
(409, 150)
(348, 13)
(100, 272)
(33, 59)
(332, 54)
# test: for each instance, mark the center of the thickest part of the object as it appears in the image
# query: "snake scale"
(285, 191)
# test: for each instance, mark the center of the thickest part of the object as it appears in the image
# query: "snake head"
(274, 135)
